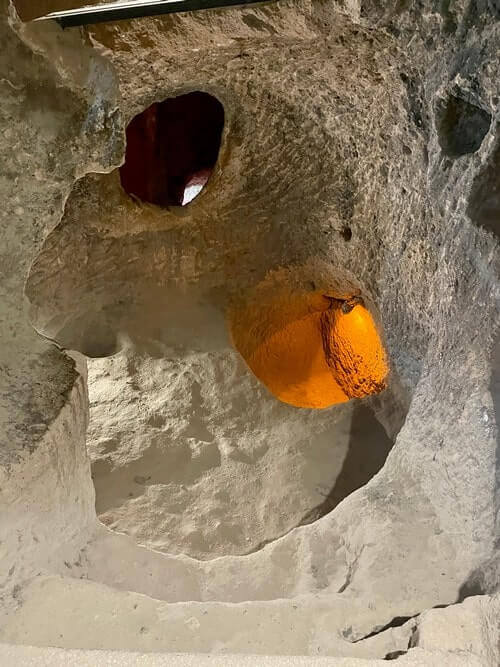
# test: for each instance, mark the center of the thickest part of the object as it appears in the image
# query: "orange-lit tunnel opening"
(314, 352)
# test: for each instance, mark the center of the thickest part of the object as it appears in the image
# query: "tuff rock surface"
(360, 155)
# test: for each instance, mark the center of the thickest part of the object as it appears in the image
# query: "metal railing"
(131, 9)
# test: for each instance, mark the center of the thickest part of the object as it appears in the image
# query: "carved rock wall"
(359, 155)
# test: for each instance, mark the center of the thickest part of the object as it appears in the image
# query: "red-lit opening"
(172, 148)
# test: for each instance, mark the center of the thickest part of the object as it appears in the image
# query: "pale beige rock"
(473, 627)
(73, 613)
(53, 657)
(337, 168)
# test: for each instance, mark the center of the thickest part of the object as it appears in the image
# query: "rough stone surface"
(185, 470)
(58, 612)
(344, 169)
(469, 627)
(23, 656)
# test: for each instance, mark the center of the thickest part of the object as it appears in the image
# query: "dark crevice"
(396, 622)
(394, 655)
(350, 571)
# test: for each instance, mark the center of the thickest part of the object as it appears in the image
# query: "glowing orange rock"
(311, 351)
(353, 350)
(282, 344)
(291, 363)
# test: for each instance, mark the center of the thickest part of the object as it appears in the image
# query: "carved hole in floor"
(461, 126)
(193, 456)
(191, 453)
(172, 148)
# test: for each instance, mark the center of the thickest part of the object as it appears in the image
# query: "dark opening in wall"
(461, 126)
(172, 148)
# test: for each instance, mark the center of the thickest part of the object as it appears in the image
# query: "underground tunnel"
(313, 354)
(172, 147)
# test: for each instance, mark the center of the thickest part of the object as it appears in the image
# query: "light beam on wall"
(117, 11)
